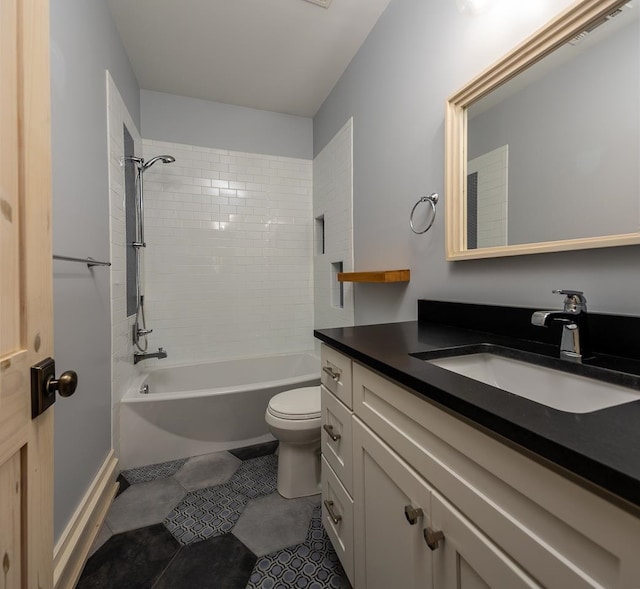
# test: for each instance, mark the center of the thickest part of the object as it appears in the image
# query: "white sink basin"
(553, 388)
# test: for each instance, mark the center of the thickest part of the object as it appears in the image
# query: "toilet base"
(298, 469)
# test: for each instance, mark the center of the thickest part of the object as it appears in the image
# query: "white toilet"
(294, 419)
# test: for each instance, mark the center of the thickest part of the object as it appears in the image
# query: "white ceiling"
(278, 55)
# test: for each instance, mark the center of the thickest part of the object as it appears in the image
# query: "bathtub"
(201, 408)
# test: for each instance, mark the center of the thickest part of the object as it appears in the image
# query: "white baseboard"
(72, 549)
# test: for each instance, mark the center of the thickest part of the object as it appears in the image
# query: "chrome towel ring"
(432, 199)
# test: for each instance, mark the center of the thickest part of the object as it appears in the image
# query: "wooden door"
(390, 551)
(26, 445)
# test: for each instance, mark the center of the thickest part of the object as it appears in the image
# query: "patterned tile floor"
(213, 521)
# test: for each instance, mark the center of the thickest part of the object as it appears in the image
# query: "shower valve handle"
(145, 331)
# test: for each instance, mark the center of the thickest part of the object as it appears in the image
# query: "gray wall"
(178, 119)
(561, 170)
(84, 43)
(418, 54)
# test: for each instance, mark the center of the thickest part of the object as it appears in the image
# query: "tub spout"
(139, 357)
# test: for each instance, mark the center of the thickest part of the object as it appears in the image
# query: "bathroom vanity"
(491, 446)
(434, 479)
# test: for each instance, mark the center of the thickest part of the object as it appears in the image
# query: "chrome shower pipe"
(141, 331)
(141, 167)
(139, 242)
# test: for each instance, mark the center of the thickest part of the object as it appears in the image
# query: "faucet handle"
(574, 301)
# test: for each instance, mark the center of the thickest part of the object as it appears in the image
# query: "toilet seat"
(296, 404)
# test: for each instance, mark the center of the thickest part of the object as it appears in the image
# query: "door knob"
(44, 385)
(65, 385)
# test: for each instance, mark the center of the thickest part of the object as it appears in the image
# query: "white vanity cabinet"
(391, 508)
(400, 521)
(507, 521)
(337, 454)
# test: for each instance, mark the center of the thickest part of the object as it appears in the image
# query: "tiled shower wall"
(228, 263)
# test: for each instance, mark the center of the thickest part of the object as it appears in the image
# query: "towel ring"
(432, 200)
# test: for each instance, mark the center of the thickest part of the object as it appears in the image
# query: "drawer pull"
(413, 513)
(334, 375)
(336, 519)
(329, 429)
(433, 538)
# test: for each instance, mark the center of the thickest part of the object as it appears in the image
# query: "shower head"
(165, 159)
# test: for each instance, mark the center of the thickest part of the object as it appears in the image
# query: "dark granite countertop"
(600, 449)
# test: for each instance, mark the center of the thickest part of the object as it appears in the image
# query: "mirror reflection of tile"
(487, 191)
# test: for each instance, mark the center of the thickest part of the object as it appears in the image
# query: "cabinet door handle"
(433, 538)
(329, 429)
(334, 375)
(335, 518)
(413, 513)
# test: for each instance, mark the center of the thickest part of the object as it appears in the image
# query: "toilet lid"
(301, 403)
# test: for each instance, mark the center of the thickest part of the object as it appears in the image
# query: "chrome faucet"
(139, 357)
(574, 329)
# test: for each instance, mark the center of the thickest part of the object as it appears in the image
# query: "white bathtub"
(202, 408)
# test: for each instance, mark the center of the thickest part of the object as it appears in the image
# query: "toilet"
(294, 419)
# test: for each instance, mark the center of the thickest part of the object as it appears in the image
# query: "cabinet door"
(390, 551)
(466, 558)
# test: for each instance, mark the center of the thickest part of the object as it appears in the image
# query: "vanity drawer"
(338, 505)
(336, 374)
(337, 442)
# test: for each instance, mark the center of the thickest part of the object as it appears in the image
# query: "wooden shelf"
(376, 276)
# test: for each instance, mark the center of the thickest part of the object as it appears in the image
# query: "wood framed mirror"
(543, 148)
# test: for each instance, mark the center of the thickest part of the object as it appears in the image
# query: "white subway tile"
(211, 282)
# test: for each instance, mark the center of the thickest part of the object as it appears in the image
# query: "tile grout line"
(164, 570)
(180, 547)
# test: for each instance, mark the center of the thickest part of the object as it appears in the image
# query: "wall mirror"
(543, 148)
